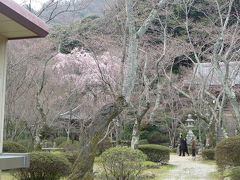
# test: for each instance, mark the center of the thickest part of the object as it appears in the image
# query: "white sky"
(36, 4)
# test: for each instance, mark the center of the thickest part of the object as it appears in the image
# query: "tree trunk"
(117, 131)
(132, 60)
(134, 35)
(135, 135)
(42, 122)
(68, 135)
(83, 166)
(37, 140)
(136, 127)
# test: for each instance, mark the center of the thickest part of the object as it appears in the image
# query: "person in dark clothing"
(186, 146)
(182, 146)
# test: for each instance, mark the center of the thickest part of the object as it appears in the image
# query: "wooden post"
(3, 69)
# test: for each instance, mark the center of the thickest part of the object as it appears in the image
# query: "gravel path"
(189, 169)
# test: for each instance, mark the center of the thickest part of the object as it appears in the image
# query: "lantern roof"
(189, 119)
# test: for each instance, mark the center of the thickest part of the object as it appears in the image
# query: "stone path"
(189, 169)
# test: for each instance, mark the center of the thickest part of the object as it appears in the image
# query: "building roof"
(17, 22)
(206, 72)
(76, 113)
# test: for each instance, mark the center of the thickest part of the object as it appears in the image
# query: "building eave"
(24, 18)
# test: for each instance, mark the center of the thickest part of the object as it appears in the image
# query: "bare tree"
(52, 9)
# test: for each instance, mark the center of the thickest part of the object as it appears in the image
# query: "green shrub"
(157, 138)
(13, 147)
(44, 166)
(148, 129)
(89, 18)
(120, 162)
(60, 140)
(47, 132)
(125, 143)
(155, 153)
(174, 150)
(104, 145)
(27, 143)
(208, 154)
(47, 144)
(164, 144)
(127, 131)
(37, 147)
(235, 173)
(144, 134)
(70, 145)
(227, 152)
(71, 156)
(143, 141)
(68, 45)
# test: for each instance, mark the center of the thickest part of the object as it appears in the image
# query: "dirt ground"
(189, 169)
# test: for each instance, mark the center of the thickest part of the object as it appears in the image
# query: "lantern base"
(190, 136)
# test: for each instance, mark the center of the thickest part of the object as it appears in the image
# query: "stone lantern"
(190, 121)
(190, 125)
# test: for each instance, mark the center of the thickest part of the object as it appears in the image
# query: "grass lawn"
(209, 162)
(160, 173)
(6, 176)
(216, 175)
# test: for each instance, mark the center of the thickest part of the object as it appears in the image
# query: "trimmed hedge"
(143, 141)
(235, 173)
(208, 154)
(155, 153)
(70, 145)
(71, 156)
(13, 147)
(121, 162)
(44, 166)
(228, 152)
(157, 138)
